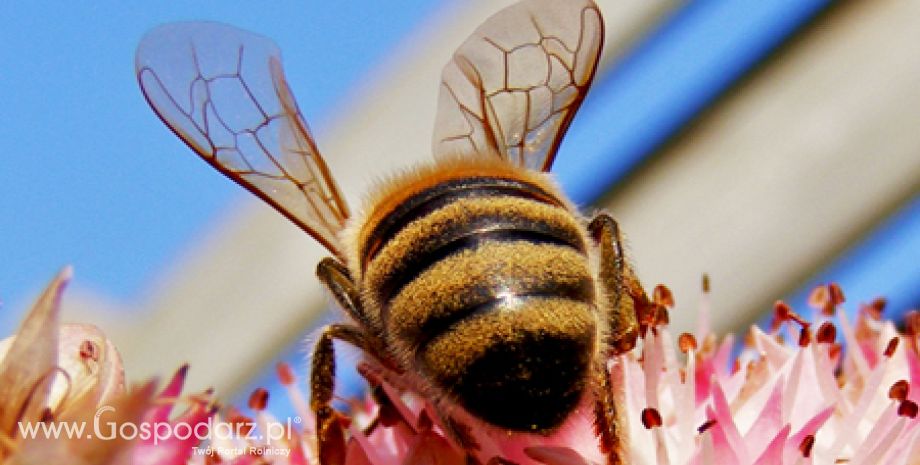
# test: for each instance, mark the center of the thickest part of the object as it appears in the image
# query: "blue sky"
(91, 178)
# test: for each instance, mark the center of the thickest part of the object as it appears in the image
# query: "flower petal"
(95, 374)
(27, 369)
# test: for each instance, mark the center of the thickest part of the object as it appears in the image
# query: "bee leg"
(335, 276)
(607, 420)
(460, 433)
(626, 302)
(330, 434)
(627, 299)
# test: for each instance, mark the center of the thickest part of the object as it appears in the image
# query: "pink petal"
(913, 363)
(810, 428)
(357, 455)
(726, 423)
(774, 352)
(722, 452)
(856, 356)
(769, 420)
(555, 455)
(824, 372)
(873, 453)
(170, 394)
(431, 449)
(773, 454)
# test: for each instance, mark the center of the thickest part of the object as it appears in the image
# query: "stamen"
(807, 443)
(258, 400)
(912, 323)
(836, 292)
(663, 317)
(285, 374)
(686, 342)
(899, 390)
(827, 333)
(804, 337)
(834, 351)
(663, 296)
(705, 426)
(781, 312)
(876, 308)
(826, 298)
(892, 346)
(908, 408)
(651, 418)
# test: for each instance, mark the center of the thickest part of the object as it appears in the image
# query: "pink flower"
(53, 375)
(683, 401)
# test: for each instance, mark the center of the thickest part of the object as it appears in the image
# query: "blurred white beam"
(787, 170)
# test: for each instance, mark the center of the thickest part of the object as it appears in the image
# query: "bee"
(472, 279)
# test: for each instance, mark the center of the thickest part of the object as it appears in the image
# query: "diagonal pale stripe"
(787, 170)
(247, 290)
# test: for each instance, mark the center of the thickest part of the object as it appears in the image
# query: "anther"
(781, 312)
(258, 400)
(836, 293)
(686, 342)
(663, 296)
(705, 426)
(908, 408)
(651, 418)
(892, 346)
(807, 443)
(827, 333)
(876, 308)
(899, 390)
(285, 374)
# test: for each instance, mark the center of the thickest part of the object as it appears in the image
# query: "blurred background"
(774, 145)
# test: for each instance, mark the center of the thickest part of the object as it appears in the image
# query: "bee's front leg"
(330, 435)
(625, 301)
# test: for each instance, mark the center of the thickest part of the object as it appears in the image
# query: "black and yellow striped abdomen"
(483, 285)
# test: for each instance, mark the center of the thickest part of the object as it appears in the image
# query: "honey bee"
(471, 280)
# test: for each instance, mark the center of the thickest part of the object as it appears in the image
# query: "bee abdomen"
(506, 330)
(523, 366)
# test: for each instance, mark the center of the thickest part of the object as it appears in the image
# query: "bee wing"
(515, 84)
(223, 92)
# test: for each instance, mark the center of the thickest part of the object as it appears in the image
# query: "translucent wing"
(223, 92)
(514, 86)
